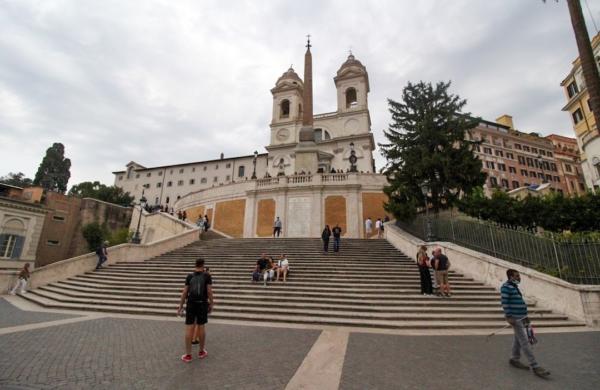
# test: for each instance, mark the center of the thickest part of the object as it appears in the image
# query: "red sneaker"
(186, 358)
(202, 354)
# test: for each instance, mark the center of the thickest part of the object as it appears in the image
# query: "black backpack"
(197, 288)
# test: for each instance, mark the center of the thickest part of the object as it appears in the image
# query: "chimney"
(506, 120)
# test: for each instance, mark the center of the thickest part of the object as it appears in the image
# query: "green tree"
(94, 234)
(54, 172)
(96, 190)
(16, 179)
(427, 143)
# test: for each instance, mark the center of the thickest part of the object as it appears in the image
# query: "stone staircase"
(368, 284)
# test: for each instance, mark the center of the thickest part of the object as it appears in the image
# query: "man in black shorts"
(198, 296)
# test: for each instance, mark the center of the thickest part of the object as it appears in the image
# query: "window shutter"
(18, 248)
(3, 238)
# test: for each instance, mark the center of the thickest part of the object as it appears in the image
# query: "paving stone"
(13, 316)
(111, 353)
(378, 362)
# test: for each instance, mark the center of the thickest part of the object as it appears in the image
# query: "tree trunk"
(586, 56)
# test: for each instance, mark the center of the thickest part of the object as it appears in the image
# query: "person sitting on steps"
(283, 267)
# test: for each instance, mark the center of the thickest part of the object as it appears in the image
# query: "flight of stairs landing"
(367, 284)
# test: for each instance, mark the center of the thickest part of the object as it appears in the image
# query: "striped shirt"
(512, 301)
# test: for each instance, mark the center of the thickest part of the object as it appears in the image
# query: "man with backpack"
(198, 297)
(102, 254)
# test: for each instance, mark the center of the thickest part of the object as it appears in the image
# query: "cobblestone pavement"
(468, 362)
(11, 316)
(114, 353)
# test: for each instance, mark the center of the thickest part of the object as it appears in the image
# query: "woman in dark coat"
(325, 237)
(423, 263)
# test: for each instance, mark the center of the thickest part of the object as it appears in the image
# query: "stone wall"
(158, 226)
(335, 212)
(229, 217)
(581, 302)
(373, 207)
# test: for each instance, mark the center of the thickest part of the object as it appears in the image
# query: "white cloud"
(163, 82)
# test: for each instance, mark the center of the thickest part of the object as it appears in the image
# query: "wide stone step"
(267, 317)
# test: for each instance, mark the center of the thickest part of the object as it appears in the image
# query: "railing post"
(493, 242)
(556, 257)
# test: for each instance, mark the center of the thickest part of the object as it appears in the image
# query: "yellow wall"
(229, 217)
(193, 213)
(373, 207)
(335, 212)
(265, 218)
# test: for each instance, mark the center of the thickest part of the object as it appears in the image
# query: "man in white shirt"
(368, 227)
(378, 225)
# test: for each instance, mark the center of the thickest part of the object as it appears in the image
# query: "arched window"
(285, 109)
(129, 172)
(351, 97)
(12, 239)
(241, 171)
(321, 135)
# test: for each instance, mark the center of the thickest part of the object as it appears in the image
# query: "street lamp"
(425, 190)
(254, 162)
(136, 237)
(352, 158)
(541, 164)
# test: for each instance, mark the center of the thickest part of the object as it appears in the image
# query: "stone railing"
(581, 302)
(269, 181)
(299, 179)
(333, 177)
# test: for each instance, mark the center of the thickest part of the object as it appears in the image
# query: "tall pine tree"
(55, 170)
(427, 143)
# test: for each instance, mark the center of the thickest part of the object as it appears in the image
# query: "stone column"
(250, 215)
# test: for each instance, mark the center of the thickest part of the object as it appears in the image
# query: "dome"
(289, 76)
(351, 64)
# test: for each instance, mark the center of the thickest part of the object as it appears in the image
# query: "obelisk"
(307, 158)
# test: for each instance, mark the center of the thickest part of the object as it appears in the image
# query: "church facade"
(318, 169)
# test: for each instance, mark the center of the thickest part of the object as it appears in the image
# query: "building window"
(180, 182)
(158, 185)
(159, 173)
(59, 218)
(524, 173)
(351, 97)
(534, 150)
(568, 168)
(167, 200)
(148, 174)
(581, 187)
(285, 109)
(530, 162)
(556, 179)
(192, 182)
(549, 154)
(215, 179)
(156, 200)
(553, 167)
(504, 183)
(194, 169)
(532, 174)
(521, 160)
(493, 181)
(589, 105)
(53, 242)
(549, 177)
(541, 175)
(169, 183)
(577, 116)
(137, 175)
(241, 171)
(171, 171)
(181, 170)
(321, 135)
(518, 146)
(203, 180)
(204, 168)
(572, 89)
(515, 184)
(487, 150)
(129, 172)
(121, 177)
(147, 185)
(499, 153)
(227, 178)
(490, 165)
(526, 148)
(502, 167)
(228, 165)
(11, 245)
(542, 152)
(512, 169)
(510, 156)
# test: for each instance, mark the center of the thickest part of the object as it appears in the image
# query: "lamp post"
(136, 237)
(425, 190)
(254, 163)
(541, 164)
(352, 158)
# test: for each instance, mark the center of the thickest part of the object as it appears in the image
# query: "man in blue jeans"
(515, 311)
(337, 234)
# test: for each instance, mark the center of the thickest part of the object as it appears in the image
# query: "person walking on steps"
(368, 227)
(197, 295)
(423, 263)
(102, 254)
(277, 227)
(22, 279)
(515, 312)
(337, 235)
(325, 237)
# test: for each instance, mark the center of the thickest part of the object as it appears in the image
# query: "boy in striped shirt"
(515, 312)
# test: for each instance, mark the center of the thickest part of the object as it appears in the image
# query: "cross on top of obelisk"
(308, 45)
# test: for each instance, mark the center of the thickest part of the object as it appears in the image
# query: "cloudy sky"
(172, 81)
